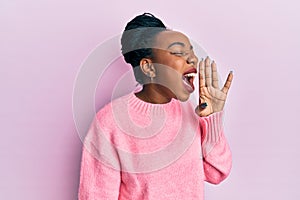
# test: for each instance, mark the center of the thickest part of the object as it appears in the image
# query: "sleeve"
(97, 179)
(217, 158)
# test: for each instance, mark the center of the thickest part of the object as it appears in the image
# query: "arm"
(97, 180)
(217, 160)
(216, 153)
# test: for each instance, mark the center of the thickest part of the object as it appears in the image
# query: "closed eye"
(178, 53)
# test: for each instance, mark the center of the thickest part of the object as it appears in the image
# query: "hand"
(211, 97)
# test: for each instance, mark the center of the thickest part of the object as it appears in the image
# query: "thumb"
(202, 105)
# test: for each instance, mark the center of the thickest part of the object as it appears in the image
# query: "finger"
(201, 75)
(207, 72)
(215, 79)
(199, 109)
(201, 100)
(227, 83)
(201, 78)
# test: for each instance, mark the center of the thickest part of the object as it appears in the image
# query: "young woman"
(152, 144)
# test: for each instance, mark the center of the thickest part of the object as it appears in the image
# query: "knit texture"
(136, 150)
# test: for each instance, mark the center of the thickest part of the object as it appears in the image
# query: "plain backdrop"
(44, 43)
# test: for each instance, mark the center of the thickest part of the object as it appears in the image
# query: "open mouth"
(188, 79)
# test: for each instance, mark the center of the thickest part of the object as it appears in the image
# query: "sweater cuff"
(212, 131)
(214, 127)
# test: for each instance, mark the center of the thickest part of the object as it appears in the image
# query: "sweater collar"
(145, 107)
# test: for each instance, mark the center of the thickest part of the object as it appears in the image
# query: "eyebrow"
(178, 43)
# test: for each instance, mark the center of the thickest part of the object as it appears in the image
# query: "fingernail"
(203, 105)
(231, 71)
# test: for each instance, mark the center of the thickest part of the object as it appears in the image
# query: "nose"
(192, 59)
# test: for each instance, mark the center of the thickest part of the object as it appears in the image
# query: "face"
(175, 63)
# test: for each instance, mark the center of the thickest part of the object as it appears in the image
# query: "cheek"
(171, 70)
(177, 64)
(170, 75)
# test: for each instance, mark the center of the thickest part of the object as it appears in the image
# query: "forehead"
(166, 38)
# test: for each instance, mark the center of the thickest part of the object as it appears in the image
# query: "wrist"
(218, 108)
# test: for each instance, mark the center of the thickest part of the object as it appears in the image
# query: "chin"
(183, 97)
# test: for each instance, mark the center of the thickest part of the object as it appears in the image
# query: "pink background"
(43, 44)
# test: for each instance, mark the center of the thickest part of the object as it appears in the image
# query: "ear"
(147, 67)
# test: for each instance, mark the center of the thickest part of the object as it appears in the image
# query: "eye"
(178, 53)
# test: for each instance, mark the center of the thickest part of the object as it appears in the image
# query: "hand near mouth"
(211, 97)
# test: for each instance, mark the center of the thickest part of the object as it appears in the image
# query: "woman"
(152, 144)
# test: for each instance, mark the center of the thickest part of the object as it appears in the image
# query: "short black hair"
(138, 37)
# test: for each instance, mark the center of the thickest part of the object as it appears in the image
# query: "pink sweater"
(141, 151)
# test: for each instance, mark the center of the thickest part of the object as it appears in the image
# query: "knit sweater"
(136, 150)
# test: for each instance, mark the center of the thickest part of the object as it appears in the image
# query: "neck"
(156, 94)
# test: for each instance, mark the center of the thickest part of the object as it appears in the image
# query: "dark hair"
(138, 37)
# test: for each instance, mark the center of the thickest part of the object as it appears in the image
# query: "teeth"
(190, 75)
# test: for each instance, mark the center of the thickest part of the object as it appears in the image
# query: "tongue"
(187, 84)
